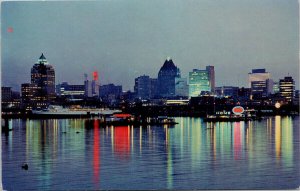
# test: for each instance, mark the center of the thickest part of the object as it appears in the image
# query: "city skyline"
(257, 34)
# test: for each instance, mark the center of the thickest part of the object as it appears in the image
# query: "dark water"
(190, 155)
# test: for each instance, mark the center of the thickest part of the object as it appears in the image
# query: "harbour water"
(65, 154)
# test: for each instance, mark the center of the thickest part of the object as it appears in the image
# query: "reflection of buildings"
(284, 140)
(278, 136)
(96, 155)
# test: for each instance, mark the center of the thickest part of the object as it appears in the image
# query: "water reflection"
(96, 151)
(190, 155)
(121, 142)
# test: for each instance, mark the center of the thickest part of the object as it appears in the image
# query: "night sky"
(124, 39)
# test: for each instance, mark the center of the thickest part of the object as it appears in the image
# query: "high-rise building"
(198, 82)
(181, 87)
(166, 78)
(287, 89)
(43, 75)
(260, 83)
(211, 75)
(92, 87)
(142, 87)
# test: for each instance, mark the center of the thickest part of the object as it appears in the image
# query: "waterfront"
(64, 154)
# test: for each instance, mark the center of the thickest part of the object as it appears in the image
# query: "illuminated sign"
(95, 75)
(238, 110)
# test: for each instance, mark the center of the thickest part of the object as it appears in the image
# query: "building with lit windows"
(211, 76)
(198, 82)
(166, 79)
(43, 75)
(287, 89)
(9, 98)
(260, 83)
(73, 92)
(110, 92)
(29, 96)
(276, 87)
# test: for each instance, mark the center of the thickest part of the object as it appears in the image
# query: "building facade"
(43, 75)
(181, 87)
(166, 79)
(227, 91)
(287, 89)
(198, 82)
(29, 97)
(73, 92)
(142, 87)
(260, 83)
(211, 76)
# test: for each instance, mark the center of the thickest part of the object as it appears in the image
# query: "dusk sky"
(123, 39)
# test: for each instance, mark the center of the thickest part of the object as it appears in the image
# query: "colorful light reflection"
(96, 157)
(122, 141)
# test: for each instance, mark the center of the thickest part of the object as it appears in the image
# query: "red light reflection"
(237, 141)
(122, 141)
(96, 158)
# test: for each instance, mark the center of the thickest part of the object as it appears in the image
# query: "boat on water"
(56, 110)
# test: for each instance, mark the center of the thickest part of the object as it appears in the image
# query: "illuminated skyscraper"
(287, 88)
(166, 78)
(43, 75)
(198, 82)
(211, 75)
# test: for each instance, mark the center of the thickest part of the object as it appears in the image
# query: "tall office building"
(211, 75)
(142, 87)
(198, 82)
(287, 89)
(43, 75)
(92, 86)
(260, 82)
(166, 78)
